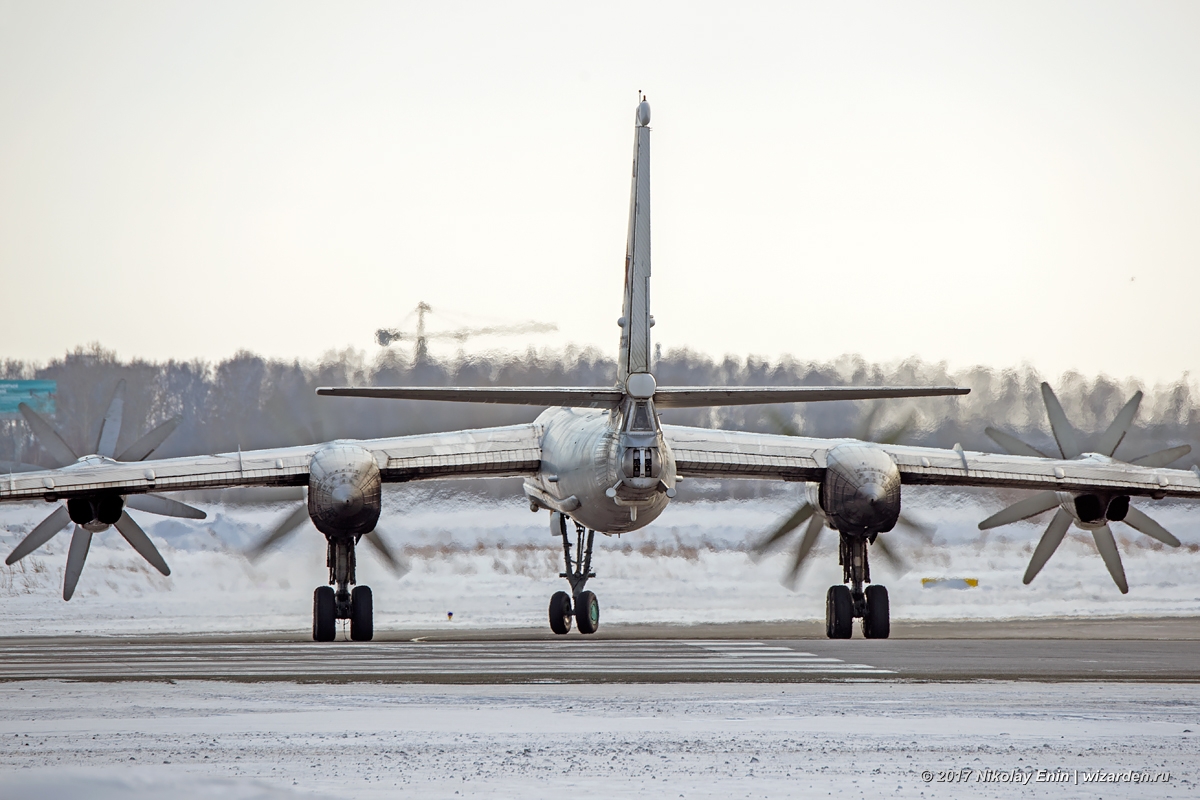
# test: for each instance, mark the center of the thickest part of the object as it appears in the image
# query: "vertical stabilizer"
(635, 315)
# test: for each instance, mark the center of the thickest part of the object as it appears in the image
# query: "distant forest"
(250, 402)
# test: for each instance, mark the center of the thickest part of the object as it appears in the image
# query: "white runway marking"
(569, 660)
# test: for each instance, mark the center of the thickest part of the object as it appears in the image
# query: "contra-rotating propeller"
(810, 511)
(95, 513)
(1091, 512)
(287, 421)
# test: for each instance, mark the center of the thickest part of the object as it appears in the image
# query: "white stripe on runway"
(574, 660)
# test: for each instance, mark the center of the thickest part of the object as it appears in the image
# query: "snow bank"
(495, 564)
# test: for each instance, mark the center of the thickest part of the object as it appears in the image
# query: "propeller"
(811, 514)
(1070, 446)
(285, 420)
(399, 565)
(93, 514)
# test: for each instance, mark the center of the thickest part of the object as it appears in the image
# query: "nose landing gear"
(330, 605)
(844, 604)
(586, 607)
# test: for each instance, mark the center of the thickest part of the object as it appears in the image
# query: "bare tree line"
(250, 402)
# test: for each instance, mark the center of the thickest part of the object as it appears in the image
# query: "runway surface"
(493, 657)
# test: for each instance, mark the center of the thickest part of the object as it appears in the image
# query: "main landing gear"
(329, 605)
(844, 604)
(586, 608)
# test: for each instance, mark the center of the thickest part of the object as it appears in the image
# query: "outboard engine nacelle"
(1097, 509)
(344, 491)
(96, 513)
(860, 492)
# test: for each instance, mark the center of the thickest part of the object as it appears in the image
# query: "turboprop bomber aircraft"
(598, 459)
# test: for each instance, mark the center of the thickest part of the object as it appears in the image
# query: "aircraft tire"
(362, 626)
(560, 613)
(839, 613)
(587, 613)
(876, 622)
(324, 614)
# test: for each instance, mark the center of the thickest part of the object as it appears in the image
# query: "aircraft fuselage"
(609, 470)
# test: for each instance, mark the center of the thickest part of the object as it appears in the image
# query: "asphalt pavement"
(1039, 650)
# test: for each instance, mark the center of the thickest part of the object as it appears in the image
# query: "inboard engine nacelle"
(860, 492)
(344, 491)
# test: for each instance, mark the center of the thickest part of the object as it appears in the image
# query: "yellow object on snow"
(949, 583)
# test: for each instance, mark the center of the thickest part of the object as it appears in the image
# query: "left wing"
(706, 453)
(511, 451)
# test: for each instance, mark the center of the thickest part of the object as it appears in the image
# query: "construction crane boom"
(385, 336)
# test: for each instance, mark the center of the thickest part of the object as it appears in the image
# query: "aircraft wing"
(706, 453)
(509, 451)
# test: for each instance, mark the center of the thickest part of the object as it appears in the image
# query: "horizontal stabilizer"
(664, 397)
(701, 396)
(571, 396)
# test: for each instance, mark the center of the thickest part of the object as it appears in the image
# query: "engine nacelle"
(96, 513)
(861, 489)
(344, 490)
(1094, 510)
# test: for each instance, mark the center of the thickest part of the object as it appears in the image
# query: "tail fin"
(635, 317)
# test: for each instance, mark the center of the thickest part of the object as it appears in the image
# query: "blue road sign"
(38, 394)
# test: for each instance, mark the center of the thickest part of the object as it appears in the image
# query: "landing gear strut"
(330, 604)
(580, 604)
(844, 604)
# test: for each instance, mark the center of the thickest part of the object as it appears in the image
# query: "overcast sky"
(965, 182)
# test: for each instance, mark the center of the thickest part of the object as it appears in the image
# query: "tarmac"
(1108, 650)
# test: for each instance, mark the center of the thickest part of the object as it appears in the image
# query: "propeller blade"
(1162, 458)
(899, 432)
(1029, 507)
(143, 447)
(788, 525)
(815, 526)
(297, 517)
(1120, 426)
(47, 437)
(398, 564)
(283, 419)
(163, 506)
(110, 428)
(42, 533)
(1012, 444)
(922, 529)
(783, 425)
(19, 466)
(1112, 557)
(81, 540)
(1064, 434)
(138, 539)
(1143, 524)
(867, 424)
(889, 555)
(1049, 543)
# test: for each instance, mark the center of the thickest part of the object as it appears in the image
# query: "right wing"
(708, 453)
(511, 451)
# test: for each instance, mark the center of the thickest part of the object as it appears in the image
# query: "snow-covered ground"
(863, 739)
(495, 564)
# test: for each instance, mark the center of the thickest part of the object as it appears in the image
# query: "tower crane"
(385, 336)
